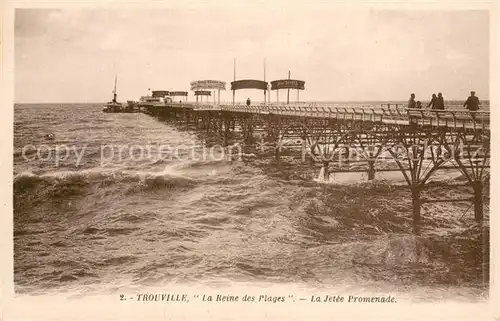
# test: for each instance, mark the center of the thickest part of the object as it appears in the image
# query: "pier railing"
(450, 118)
(387, 113)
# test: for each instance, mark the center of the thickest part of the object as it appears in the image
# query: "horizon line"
(291, 102)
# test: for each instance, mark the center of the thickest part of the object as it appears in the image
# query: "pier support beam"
(416, 206)
(326, 171)
(412, 147)
(312, 161)
(472, 160)
(249, 135)
(273, 127)
(478, 201)
(227, 130)
(371, 170)
(277, 154)
(246, 131)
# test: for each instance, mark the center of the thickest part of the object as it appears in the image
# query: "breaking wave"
(29, 186)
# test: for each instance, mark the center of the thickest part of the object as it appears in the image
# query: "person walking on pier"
(432, 103)
(439, 104)
(472, 103)
(411, 102)
(248, 102)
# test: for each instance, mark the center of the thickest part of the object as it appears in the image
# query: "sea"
(105, 202)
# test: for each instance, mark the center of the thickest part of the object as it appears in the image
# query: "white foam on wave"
(144, 176)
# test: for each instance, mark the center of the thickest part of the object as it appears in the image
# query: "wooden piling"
(371, 170)
(277, 155)
(416, 207)
(326, 171)
(478, 201)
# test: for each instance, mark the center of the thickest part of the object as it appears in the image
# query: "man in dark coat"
(411, 102)
(432, 103)
(248, 102)
(472, 103)
(439, 104)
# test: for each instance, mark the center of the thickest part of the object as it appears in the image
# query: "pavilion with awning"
(179, 93)
(205, 87)
(249, 84)
(287, 84)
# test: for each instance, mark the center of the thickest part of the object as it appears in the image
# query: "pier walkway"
(390, 114)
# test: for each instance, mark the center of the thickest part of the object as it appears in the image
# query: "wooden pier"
(345, 138)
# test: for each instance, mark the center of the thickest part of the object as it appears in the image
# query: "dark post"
(234, 76)
(326, 170)
(265, 91)
(312, 161)
(277, 151)
(248, 134)
(371, 170)
(311, 152)
(478, 201)
(227, 128)
(416, 204)
(288, 94)
(277, 155)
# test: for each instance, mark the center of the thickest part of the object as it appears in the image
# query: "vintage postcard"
(236, 160)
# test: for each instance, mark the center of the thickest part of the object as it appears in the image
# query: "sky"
(73, 54)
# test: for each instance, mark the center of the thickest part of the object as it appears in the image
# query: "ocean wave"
(33, 188)
(29, 178)
(195, 164)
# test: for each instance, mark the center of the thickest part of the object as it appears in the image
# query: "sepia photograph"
(344, 151)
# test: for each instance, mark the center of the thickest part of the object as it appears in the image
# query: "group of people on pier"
(437, 102)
